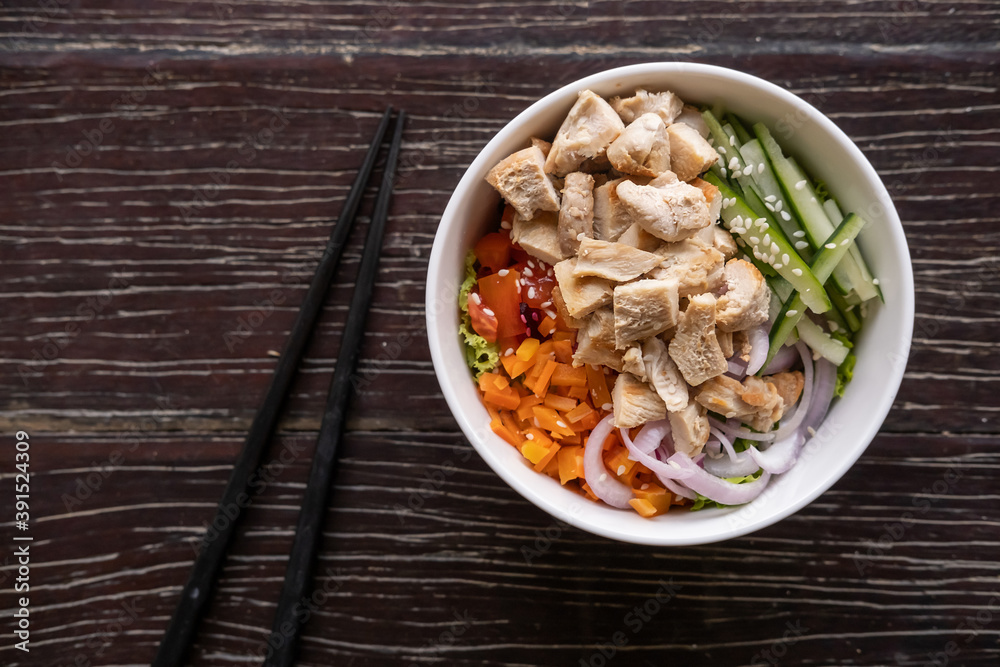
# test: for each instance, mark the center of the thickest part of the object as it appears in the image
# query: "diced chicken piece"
(712, 196)
(611, 218)
(724, 395)
(766, 401)
(725, 342)
(643, 148)
(741, 345)
(671, 212)
(586, 133)
(539, 237)
(690, 153)
(613, 261)
(666, 105)
(521, 180)
(563, 311)
(576, 213)
(665, 179)
(644, 308)
(696, 266)
(632, 362)
(635, 403)
(601, 327)
(694, 348)
(690, 429)
(581, 295)
(747, 299)
(690, 115)
(542, 145)
(723, 242)
(637, 237)
(588, 352)
(662, 373)
(789, 386)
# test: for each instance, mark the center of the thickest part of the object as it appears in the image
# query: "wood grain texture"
(169, 175)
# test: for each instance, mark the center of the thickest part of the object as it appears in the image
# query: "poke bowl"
(709, 278)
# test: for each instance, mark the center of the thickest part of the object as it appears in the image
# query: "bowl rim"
(450, 218)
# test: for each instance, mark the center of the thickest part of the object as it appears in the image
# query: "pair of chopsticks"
(198, 590)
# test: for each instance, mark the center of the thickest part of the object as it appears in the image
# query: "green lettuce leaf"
(480, 355)
(701, 502)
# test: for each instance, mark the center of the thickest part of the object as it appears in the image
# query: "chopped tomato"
(501, 295)
(482, 323)
(538, 283)
(493, 251)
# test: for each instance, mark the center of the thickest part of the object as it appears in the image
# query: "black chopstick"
(289, 616)
(180, 633)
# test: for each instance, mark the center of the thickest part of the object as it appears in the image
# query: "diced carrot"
(502, 431)
(507, 419)
(643, 507)
(542, 383)
(563, 350)
(552, 467)
(537, 435)
(524, 412)
(564, 335)
(617, 460)
(570, 464)
(547, 326)
(657, 496)
(589, 422)
(598, 386)
(546, 349)
(566, 375)
(590, 492)
(561, 403)
(526, 351)
(551, 421)
(579, 393)
(508, 399)
(577, 413)
(500, 381)
(574, 439)
(551, 454)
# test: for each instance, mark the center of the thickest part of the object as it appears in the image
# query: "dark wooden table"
(169, 173)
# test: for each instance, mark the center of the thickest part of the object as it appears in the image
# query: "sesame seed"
(528, 272)
(833, 325)
(799, 234)
(779, 265)
(551, 314)
(797, 272)
(800, 185)
(504, 224)
(770, 198)
(531, 264)
(875, 281)
(529, 436)
(761, 222)
(674, 464)
(603, 477)
(531, 292)
(785, 216)
(830, 246)
(801, 245)
(792, 313)
(775, 249)
(767, 239)
(754, 240)
(475, 298)
(621, 469)
(502, 272)
(770, 259)
(760, 168)
(644, 487)
(509, 352)
(778, 205)
(845, 241)
(813, 200)
(723, 170)
(734, 163)
(560, 424)
(722, 150)
(732, 140)
(488, 312)
(546, 304)
(811, 431)
(607, 407)
(784, 258)
(768, 206)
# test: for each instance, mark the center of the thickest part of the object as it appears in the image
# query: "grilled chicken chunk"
(644, 308)
(637, 237)
(689, 428)
(611, 218)
(662, 373)
(521, 180)
(582, 295)
(643, 148)
(725, 339)
(586, 133)
(632, 362)
(789, 386)
(694, 347)
(747, 299)
(539, 237)
(635, 403)
(690, 153)
(589, 352)
(690, 115)
(723, 242)
(767, 402)
(666, 105)
(576, 213)
(671, 212)
(696, 266)
(724, 395)
(613, 261)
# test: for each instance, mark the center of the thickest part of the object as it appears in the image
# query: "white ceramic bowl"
(826, 153)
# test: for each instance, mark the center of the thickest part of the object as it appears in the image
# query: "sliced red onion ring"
(725, 442)
(741, 466)
(715, 488)
(651, 435)
(679, 488)
(823, 387)
(737, 368)
(782, 361)
(659, 468)
(734, 430)
(792, 424)
(780, 456)
(759, 345)
(604, 485)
